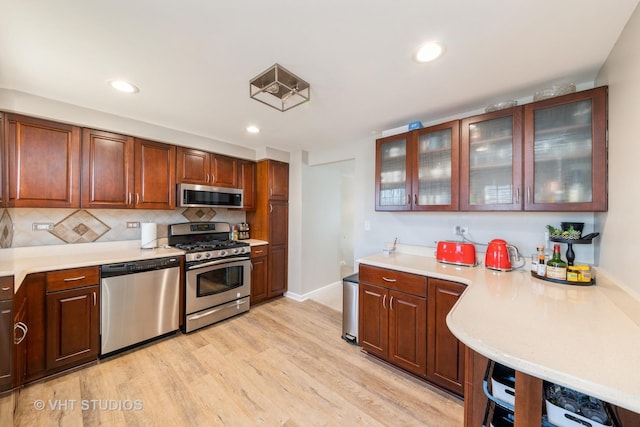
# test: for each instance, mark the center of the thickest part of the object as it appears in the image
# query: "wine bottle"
(556, 267)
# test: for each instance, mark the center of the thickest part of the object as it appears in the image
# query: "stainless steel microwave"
(191, 195)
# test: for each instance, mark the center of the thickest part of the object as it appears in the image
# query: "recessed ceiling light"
(428, 52)
(123, 86)
(253, 129)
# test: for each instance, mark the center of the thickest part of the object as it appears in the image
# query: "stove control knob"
(235, 251)
(207, 255)
(222, 253)
(198, 256)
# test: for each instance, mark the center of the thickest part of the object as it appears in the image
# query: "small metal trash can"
(350, 308)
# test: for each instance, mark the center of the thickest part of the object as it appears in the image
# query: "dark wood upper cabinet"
(193, 166)
(155, 173)
(278, 180)
(247, 182)
(491, 161)
(43, 159)
(107, 170)
(565, 153)
(3, 169)
(203, 168)
(224, 171)
(419, 170)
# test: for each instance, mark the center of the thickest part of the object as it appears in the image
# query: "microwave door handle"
(218, 262)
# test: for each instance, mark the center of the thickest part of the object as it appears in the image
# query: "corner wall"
(620, 240)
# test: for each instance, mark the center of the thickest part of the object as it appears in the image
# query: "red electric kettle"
(501, 256)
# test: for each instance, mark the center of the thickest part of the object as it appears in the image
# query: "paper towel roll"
(148, 235)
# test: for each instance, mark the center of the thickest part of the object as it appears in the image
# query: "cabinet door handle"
(213, 179)
(389, 280)
(129, 198)
(384, 302)
(22, 327)
(270, 208)
(6, 288)
(73, 279)
(137, 198)
(517, 194)
(95, 299)
(271, 191)
(208, 178)
(529, 195)
(391, 303)
(259, 252)
(415, 199)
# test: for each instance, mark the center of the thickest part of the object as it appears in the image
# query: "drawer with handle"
(258, 251)
(72, 278)
(6, 287)
(393, 279)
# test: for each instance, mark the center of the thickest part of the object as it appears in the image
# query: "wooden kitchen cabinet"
(393, 317)
(419, 170)
(6, 333)
(565, 152)
(270, 221)
(73, 317)
(43, 159)
(107, 170)
(3, 180)
(259, 273)
(247, 182)
(491, 161)
(203, 168)
(21, 331)
(445, 355)
(155, 173)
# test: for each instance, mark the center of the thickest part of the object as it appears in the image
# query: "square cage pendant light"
(279, 88)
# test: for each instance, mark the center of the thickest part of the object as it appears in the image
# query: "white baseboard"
(306, 296)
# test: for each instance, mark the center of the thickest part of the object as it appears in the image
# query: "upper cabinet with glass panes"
(418, 170)
(565, 153)
(549, 155)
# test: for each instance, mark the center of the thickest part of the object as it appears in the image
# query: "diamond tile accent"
(6, 230)
(80, 227)
(199, 214)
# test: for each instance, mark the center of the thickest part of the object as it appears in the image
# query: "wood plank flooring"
(283, 363)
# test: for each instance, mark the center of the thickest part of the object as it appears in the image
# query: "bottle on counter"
(542, 267)
(556, 267)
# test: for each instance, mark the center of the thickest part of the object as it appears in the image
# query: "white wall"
(620, 244)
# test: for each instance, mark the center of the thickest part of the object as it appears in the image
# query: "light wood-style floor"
(283, 363)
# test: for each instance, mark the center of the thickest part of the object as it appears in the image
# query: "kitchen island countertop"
(582, 337)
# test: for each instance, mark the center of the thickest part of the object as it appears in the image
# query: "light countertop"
(582, 337)
(19, 262)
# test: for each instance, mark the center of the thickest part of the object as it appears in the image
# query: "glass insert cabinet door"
(393, 188)
(566, 152)
(491, 161)
(436, 167)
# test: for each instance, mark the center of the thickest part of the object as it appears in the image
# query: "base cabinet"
(393, 318)
(259, 273)
(73, 330)
(445, 361)
(402, 319)
(6, 333)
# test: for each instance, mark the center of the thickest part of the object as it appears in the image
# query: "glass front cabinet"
(419, 170)
(565, 153)
(491, 161)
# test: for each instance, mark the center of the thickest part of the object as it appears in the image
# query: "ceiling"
(193, 60)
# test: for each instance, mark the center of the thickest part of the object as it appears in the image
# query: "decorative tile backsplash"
(96, 225)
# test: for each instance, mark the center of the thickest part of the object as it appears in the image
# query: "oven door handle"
(218, 262)
(215, 310)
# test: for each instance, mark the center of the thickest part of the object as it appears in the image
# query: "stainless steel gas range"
(217, 272)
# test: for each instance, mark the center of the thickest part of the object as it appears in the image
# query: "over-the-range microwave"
(191, 195)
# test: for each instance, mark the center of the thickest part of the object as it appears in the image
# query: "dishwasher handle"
(132, 267)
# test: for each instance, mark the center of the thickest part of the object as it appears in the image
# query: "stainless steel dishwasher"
(139, 302)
